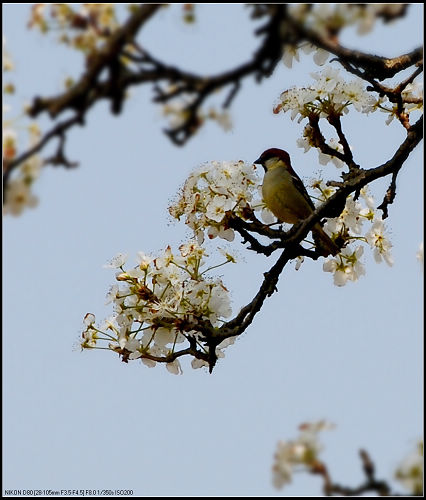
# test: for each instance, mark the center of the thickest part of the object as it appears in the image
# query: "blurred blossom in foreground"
(410, 471)
(300, 454)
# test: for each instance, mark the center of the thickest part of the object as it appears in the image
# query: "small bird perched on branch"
(286, 197)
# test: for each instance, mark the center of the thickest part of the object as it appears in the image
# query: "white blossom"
(326, 18)
(222, 118)
(150, 363)
(304, 142)
(177, 112)
(414, 90)
(345, 266)
(410, 471)
(368, 198)
(174, 367)
(419, 254)
(267, 216)
(217, 207)
(89, 319)
(198, 363)
(299, 262)
(7, 60)
(213, 191)
(328, 95)
(351, 217)
(299, 454)
(89, 336)
(290, 52)
(143, 260)
(320, 57)
(117, 261)
(18, 196)
(378, 240)
(325, 158)
(156, 299)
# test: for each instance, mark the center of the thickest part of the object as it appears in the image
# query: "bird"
(286, 197)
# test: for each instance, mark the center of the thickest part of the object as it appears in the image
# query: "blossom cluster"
(325, 19)
(7, 59)
(410, 471)
(300, 454)
(213, 191)
(328, 95)
(18, 193)
(159, 304)
(350, 228)
(330, 18)
(220, 188)
(83, 27)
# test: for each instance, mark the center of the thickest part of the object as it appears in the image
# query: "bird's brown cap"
(274, 153)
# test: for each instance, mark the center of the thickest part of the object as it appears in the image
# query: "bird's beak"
(259, 162)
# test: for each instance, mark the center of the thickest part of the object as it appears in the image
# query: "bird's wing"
(301, 187)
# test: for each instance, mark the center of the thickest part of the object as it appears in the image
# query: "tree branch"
(335, 204)
(371, 484)
(77, 97)
(57, 131)
(279, 29)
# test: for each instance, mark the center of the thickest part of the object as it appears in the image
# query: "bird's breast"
(282, 198)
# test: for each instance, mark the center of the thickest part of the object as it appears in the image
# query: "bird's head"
(273, 157)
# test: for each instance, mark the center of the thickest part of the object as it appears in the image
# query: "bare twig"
(371, 484)
(389, 196)
(57, 131)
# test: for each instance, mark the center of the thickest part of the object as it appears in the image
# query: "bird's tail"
(323, 242)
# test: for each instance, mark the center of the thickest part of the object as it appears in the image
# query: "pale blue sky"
(351, 355)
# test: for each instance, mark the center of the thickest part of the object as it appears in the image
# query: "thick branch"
(363, 177)
(389, 196)
(333, 205)
(376, 66)
(280, 28)
(245, 317)
(77, 96)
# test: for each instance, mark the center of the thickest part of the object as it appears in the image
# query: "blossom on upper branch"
(84, 27)
(329, 19)
(328, 95)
